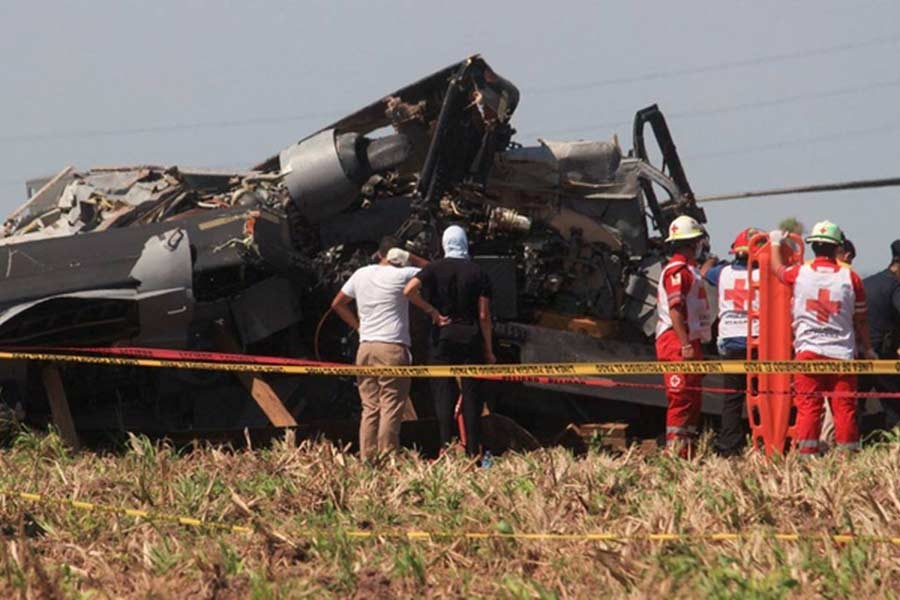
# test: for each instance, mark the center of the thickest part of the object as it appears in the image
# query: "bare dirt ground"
(306, 501)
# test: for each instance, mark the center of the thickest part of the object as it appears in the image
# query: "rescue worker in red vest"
(734, 300)
(829, 320)
(683, 324)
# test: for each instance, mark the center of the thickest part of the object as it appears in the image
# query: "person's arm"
(708, 264)
(341, 307)
(775, 240)
(785, 274)
(713, 274)
(404, 258)
(676, 286)
(413, 293)
(417, 261)
(895, 301)
(861, 328)
(487, 328)
(860, 318)
(679, 326)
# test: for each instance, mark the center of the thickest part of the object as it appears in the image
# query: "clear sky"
(759, 94)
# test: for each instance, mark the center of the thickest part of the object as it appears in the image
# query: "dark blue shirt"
(883, 303)
(712, 276)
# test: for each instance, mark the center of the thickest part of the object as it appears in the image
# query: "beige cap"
(398, 257)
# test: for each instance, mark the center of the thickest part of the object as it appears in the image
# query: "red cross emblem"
(674, 228)
(738, 294)
(823, 230)
(823, 306)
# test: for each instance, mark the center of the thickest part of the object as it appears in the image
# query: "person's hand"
(687, 352)
(489, 357)
(776, 237)
(870, 354)
(440, 320)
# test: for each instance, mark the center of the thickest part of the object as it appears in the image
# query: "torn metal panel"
(415, 112)
(111, 198)
(164, 318)
(84, 318)
(264, 309)
(159, 283)
(164, 263)
(43, 268)
(43, 200)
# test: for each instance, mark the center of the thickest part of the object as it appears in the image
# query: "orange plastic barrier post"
(769, 396)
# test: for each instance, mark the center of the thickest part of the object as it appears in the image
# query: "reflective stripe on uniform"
(679, 442)
(848, 446)
(807, 444)
(689, 430)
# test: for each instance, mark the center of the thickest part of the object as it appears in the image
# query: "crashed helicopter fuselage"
(194, 259)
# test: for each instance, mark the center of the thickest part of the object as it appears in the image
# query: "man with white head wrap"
(461, 290)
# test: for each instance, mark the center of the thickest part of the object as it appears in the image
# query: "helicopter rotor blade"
(806, 189)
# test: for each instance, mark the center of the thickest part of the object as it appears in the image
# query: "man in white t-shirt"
(383, 326)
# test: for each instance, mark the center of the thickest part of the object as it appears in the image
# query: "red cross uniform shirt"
(827, 296)
(734, 301)
(681, 286)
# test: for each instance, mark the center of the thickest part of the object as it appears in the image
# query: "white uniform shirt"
(734, 301)
(827, 295)
(383, 309)
(680, 283)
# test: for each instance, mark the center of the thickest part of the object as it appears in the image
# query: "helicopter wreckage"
(248, 261)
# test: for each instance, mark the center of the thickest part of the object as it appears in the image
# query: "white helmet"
(685, 228)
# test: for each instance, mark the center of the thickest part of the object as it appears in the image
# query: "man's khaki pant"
(383, 398)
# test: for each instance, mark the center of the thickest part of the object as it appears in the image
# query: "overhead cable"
(671, 73)
(577, 86)
(802, 141)
(95, 133)
(740, 107)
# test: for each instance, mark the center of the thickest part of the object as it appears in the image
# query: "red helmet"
(741, 244)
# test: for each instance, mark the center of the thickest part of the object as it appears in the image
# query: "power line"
(741, 107)
(721, 66)
(95, 133)
(833, 93)
(818, 139)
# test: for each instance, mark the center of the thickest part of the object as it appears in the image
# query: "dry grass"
(60, 551)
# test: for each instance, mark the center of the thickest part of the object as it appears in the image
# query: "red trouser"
(683, 414)
(811, 408)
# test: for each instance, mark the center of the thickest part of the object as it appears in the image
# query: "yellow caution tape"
(705, 367)
(419, 535)
(130, 512)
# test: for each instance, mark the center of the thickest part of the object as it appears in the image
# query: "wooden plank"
(265, 397)
(268, 400)
(59, 406)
